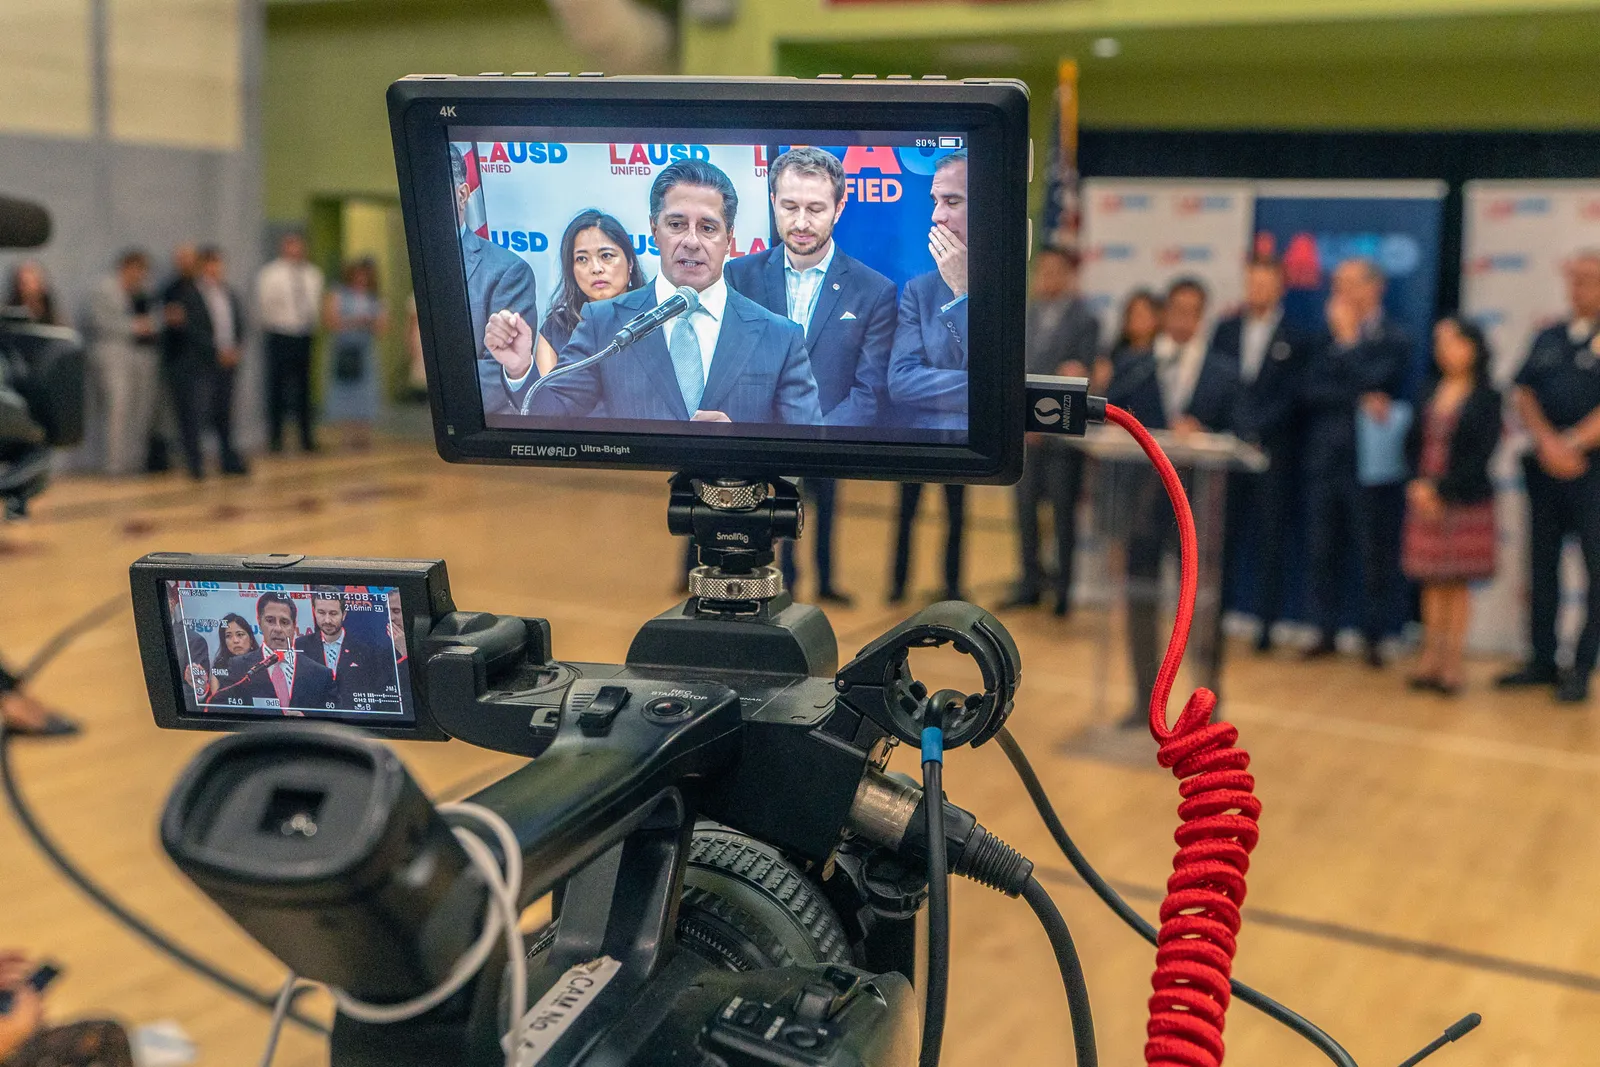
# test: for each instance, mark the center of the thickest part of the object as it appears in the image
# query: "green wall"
(327, 66)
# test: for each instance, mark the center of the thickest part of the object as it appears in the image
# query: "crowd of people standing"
(165, 354)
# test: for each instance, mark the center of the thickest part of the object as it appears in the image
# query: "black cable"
(1071, 970)
(1113, 900)
(938, 990)
(86, 885)
(1461, 1028)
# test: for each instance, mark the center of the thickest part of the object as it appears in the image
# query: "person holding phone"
(25, 1039)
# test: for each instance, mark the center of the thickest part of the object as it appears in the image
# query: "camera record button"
(666, 709)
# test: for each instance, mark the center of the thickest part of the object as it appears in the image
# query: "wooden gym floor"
(1419, 859)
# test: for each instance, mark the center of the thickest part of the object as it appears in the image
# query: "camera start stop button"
(666, 709)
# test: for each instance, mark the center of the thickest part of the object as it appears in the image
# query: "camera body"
(736, 879)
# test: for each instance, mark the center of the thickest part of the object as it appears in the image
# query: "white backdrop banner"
(533, 190)
(1146, 233)
(1517, 238)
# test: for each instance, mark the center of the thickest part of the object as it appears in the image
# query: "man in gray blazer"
(497, 280)
(122, 348)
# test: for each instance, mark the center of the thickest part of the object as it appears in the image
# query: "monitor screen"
(272, 649)
(824, 274)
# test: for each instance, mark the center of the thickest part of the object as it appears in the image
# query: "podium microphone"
(685, 300)
(258, 667)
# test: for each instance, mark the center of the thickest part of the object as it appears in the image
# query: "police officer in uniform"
(1557, 396)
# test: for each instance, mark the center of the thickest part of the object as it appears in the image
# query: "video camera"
(801, 278)
(42, 374)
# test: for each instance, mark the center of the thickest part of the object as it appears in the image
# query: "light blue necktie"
(684, 347)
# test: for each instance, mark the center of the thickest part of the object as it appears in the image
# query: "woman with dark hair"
(1449, 527)
(1136, 335)
(237, 651)
(30, 292)
(598, 262)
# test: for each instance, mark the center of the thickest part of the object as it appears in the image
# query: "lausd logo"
(641, 158)
(1191, 204)
(1499, 263)
(1117, 253)
(645, 245)
(1115, 203)
(503, 154)
(520, 240)
(1506, 207)
(880, 190)
(1178, 255)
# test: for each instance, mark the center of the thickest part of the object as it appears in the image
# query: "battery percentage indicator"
(949, 142)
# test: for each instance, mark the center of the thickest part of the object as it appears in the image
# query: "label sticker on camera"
(559, 1008)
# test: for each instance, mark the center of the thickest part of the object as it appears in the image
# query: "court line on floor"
(1416, 737)
(1394, 944)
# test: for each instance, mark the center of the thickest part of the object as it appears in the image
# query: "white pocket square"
(847, 316)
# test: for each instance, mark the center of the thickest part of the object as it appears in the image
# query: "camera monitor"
(233, 640)
(733, 277)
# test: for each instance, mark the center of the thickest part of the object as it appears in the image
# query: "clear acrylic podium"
(1204, 461)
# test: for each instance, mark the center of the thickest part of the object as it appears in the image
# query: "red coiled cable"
(1219, 813)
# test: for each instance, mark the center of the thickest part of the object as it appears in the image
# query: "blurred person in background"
(497, 280)
(354, 313)
(1063, 337)
(598, 262)
(1157, 384)
(847, 309)
(31, 296)
(122, 349)
(26, 1041)
(1139, 324)
(1355, 376)
(1266, 356)
(288, 302)
(206, 326)
(416, 363)
(1450, 536)
(1557, 397)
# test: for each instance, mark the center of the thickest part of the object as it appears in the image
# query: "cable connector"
(1062, 405)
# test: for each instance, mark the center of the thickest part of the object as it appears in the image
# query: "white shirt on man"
(804, 286)
(288, 297)
(219, 305)
(706, 319)
(1254, 341)
(1178, 368)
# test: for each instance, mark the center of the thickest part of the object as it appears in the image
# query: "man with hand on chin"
(727, 359)
(928, 364)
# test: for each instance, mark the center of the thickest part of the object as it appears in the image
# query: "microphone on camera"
(681, 302)
(23, 223)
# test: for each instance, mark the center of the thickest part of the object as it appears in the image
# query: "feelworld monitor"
(725, 277)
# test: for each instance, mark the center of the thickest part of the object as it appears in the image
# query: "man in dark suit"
(1063, 337)
(360, 672)
(1359, 371)
(286, 678)
(846, 308)
(726, 360)
(1250, 386)
(497, 280)
(205, 337)
(928, 364)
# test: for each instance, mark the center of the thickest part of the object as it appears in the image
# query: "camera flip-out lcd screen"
(828, 270)
(274, 649)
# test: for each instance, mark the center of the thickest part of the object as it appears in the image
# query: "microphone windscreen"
(23, 224)
(690, 296)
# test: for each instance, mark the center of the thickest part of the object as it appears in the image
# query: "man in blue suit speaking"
(727, 360)
(497, 280)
